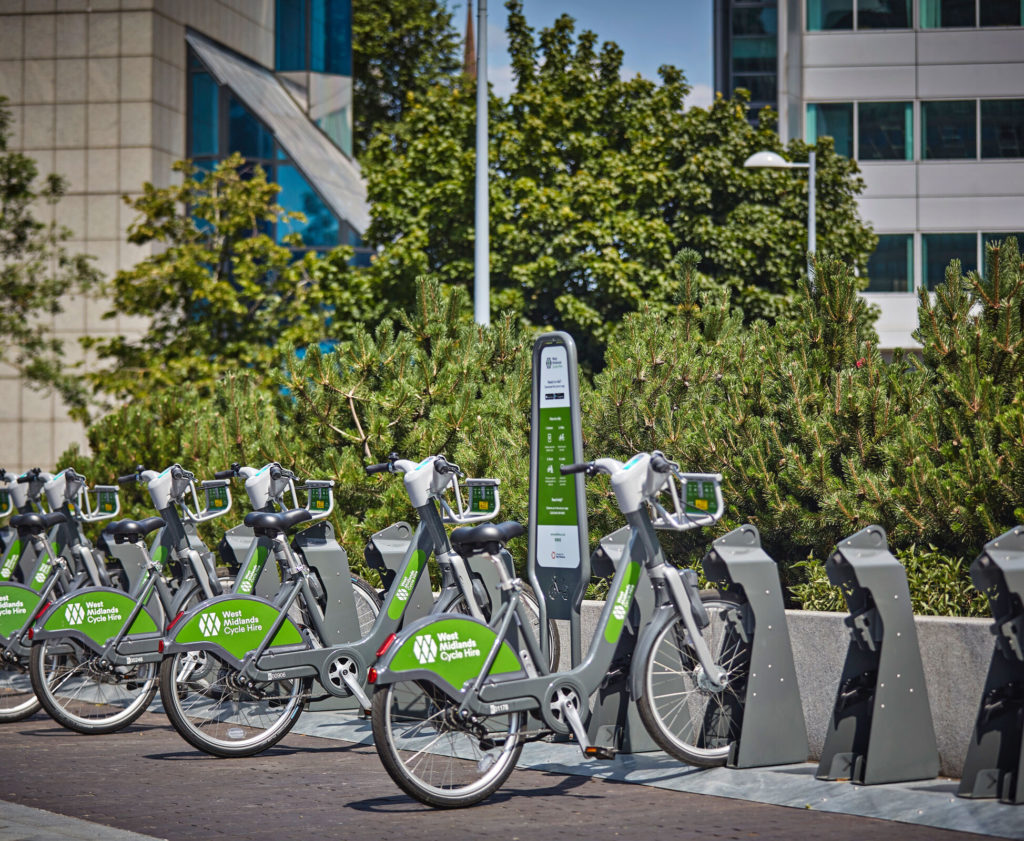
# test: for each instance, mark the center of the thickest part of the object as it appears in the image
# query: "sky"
(650, 33)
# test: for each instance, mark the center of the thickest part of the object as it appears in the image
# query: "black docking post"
(772, 731)
(881, 727)
(994, 766)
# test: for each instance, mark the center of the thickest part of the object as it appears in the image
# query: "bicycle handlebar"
(372, 469)
(224, 474)
(579, 467)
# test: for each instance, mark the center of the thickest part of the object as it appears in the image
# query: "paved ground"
(147, 780)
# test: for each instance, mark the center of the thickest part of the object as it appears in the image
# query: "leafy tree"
(596, 182)
(399, 49)
(36, 272)
(221, 294)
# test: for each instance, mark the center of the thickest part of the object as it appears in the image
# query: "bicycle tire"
(695, 723)
(368, 604)
(83, 699)
(212, 713)
(17, 698)
(433, 759)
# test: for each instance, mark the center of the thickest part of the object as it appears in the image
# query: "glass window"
(947, 13)
(834, 119)
(1002, 13)
(891, 267)
(204, 116)
(938, 249)
(755, 21)
(1002, 128)
(883, 14)
(331, 37)
(321, 225)
(829, 14)
(762, 88)
(290, 35)
(948, 130)
(885, 131)
(247, 135)
(754, 55)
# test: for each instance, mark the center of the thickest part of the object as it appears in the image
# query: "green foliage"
(220, 294)
(400, 48)
(36, 272)
(939, 585)
(595, 182)
(966, 480)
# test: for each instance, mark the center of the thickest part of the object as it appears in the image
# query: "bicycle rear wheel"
(79, 696)
(17, 698)
(208, 707)
(436, 757)
(688, 717)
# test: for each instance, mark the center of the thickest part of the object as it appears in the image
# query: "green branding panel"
(453, 649)
(319, 499)
(623, 601)
(17, 604)
(10, 560)
(556, 502)
(700, 497)
(408, 583)
(216, 498)
(251, 574)
(106, 501)
(481, 499)
(98, 614)
(160, 554)
(237, 625)
(43, 570)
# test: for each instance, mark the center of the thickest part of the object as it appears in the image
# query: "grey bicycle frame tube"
(429, 537)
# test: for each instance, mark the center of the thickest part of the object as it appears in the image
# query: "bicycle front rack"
(881, 727)
(994, 766)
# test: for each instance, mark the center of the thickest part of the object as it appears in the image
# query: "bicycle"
(95, 651)
(451, 695)
(265, 676)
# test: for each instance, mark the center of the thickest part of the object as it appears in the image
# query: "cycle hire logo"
(209, 624)
(75, 614)
(425, 649)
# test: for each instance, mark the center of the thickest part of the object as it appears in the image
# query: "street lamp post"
(773, 160)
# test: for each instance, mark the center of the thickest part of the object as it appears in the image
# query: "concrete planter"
(955, 652)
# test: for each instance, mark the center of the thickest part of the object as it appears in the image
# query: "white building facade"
(927, 96)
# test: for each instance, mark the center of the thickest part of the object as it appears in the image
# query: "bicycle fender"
(93, 615)
(230, 625)
(664, 615)
(17, 603)
(448, 650)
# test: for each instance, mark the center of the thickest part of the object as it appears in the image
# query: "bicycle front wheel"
(17, 699)
(81, 697)
(213, 712)
(436, 757)
(688, 717)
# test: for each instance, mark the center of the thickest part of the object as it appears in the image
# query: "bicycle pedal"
(599, 752)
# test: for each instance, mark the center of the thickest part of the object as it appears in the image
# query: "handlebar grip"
(128, 477)
(660, 464)
(579, 467)
(371, 469)
(224, 474)
(24, 480)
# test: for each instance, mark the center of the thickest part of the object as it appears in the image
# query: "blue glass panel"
(829, 14)
(883, 14)
(1002, 13)
(1002, 128)
(321, 226)
(937, 14)
(949, 130)
(891, 267)
(290, 52)
(833, 119)
(885, 131)
(203, 135)
(247, 135)
(339, 37)
(755, 21)
(938, 249)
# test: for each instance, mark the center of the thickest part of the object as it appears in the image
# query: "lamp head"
(767, 160)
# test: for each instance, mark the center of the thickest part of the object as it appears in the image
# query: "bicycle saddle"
(133, 531)
(268, 524)
(37, 523)
(489, 538)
